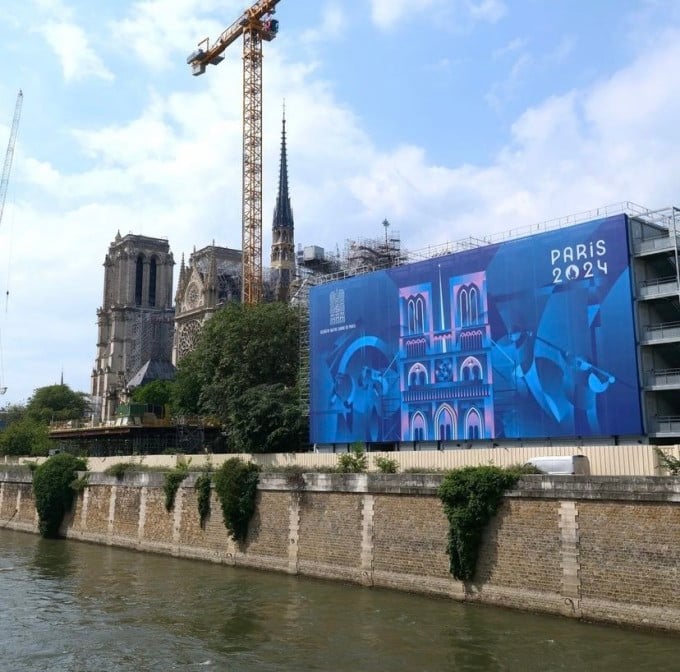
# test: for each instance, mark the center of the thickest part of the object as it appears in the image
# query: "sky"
(449, 118)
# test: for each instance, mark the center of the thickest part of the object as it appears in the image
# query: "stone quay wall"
(601, 549)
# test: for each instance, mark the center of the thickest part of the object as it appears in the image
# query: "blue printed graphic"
(532, 338)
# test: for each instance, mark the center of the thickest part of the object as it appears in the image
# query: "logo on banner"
(581, 261)
(337, 307)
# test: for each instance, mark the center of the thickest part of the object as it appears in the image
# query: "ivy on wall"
(236, 487)
(173, 479)
(54, 492)
(203, 486)
(471, 497)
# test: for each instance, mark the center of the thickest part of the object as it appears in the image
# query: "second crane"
(256, 26)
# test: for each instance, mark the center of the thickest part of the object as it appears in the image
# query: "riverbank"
(602, 549)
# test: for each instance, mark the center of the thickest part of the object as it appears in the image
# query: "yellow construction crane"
(256, 26)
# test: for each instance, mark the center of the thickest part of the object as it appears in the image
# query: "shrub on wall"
(667, 461)
(471, 497)
(236, 487)
(386, 465)
(52, 486)
(354, 462)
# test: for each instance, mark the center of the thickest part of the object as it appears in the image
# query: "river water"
(76, 607)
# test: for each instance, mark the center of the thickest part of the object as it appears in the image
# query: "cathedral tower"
(135, 322)
(283, 247)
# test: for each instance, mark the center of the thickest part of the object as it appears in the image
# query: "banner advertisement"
(531, 338)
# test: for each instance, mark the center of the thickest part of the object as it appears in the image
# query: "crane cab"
(270, 29)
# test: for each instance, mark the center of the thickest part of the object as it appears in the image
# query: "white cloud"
(331, 26)
(614, 142)
(79, 60)
(387, 14)
(487, 10)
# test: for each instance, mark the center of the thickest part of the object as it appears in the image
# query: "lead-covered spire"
(283, 213)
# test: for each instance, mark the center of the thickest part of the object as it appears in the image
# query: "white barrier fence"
(609, 460)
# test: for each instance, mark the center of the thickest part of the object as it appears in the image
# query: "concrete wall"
(599, 548)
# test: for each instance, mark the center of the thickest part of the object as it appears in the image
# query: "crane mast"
(256, 26)
(9, 155)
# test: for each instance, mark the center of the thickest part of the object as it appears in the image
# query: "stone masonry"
(599, 548)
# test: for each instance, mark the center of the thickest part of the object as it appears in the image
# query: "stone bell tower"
(135, 322)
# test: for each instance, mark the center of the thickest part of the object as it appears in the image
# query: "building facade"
(212, 278)
(136, 320)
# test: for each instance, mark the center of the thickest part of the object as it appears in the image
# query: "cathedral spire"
(283, 247)
(283, 213)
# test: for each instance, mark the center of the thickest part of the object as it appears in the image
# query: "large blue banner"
(532, 338)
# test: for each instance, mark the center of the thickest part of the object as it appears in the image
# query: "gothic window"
(139, 279)
(463, 306)
(418, 427)
(417, 375)
(420, 315)
(187, 337)
(153, 266)
(468, 305)
(474, 305)
(471, 369)
(473, 425)
(411, 309)
(445, 426)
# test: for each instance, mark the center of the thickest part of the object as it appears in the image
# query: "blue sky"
(450, 118)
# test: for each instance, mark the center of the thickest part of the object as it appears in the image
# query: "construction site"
(433, 378)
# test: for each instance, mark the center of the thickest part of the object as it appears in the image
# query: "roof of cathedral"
(153, 370)
(283, 213)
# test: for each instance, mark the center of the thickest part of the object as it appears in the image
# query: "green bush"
(173, 479)
(236, 487)
(203, 486)
(120, 469)
(53, 492)
(354, 462)
(386, 465)
(471, 497)
(668, 462)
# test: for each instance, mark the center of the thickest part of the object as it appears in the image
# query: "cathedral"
(141, 335)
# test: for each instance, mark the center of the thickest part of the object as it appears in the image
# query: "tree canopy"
(243, 372)
(26, 427)
(57, 402)
(155, 393)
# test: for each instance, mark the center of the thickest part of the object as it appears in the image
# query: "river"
(75, 607)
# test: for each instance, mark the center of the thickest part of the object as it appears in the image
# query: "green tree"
(155, 393)
(243, 372)
(26, 436)
(186, 391)
(57, 402)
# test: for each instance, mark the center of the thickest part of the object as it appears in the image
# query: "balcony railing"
(663, 378)
(650, 289)
(661, 243)
(669, 331)
(669, 425)
(463, 390)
